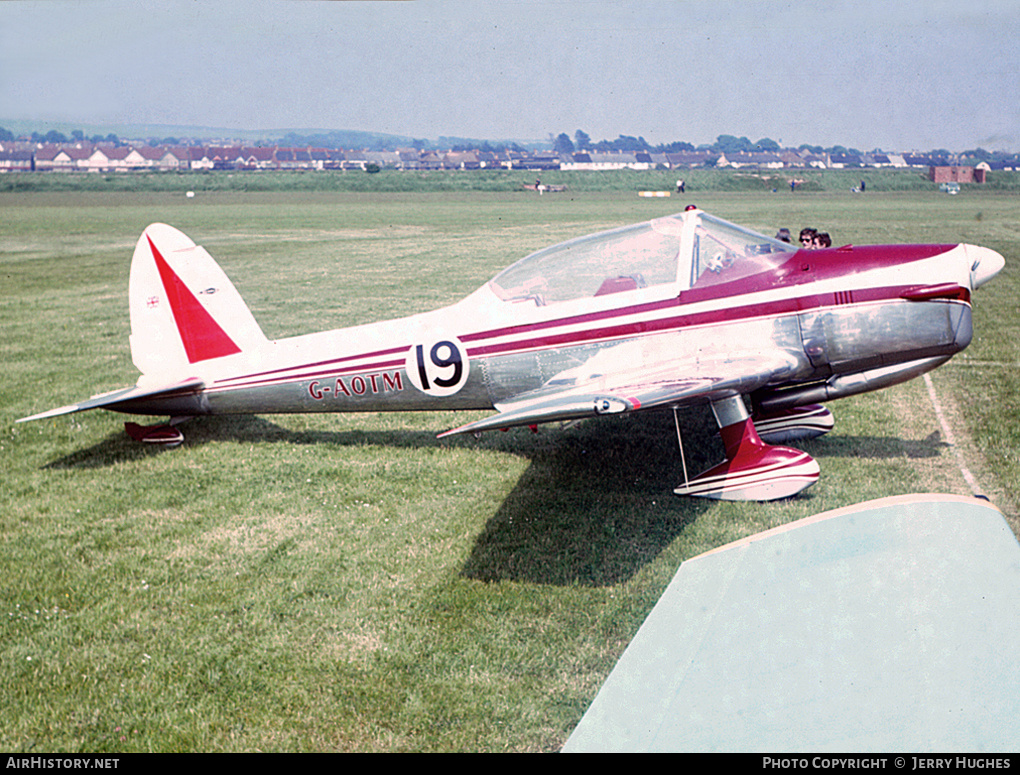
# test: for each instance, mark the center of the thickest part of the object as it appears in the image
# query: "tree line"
(730, 144)
(57, 138)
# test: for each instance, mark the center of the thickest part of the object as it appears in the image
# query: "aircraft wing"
(112, 399)
(885, 626)
(583, 392)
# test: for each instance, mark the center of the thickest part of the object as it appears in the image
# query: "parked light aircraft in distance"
(680, 310)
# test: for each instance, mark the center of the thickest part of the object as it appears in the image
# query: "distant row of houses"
(88, 157)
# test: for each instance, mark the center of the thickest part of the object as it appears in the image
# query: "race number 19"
(438, 368)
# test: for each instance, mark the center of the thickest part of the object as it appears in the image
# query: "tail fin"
(184, 309)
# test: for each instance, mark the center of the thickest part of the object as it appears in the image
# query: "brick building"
(956, 175)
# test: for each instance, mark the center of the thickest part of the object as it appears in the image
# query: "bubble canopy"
(667, 255)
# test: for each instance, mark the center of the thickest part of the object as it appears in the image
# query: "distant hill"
(159, 131)
(332, 138)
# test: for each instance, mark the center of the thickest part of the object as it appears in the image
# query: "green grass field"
(349, 582)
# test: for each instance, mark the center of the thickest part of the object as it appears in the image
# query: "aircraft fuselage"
(831, 312)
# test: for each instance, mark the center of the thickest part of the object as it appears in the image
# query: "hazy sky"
(863, 73)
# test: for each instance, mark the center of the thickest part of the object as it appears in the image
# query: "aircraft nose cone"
(984, 264)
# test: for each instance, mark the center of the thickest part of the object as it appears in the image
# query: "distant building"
(595, 161)
(692, 159)
(956, 175)
(758, 160)
(841, 161)
(539, 160)
(17, 161)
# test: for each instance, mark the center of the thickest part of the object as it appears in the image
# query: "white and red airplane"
(685, 309)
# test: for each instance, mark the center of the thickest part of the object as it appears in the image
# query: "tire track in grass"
(947, 432)
(935, 437)
(967, 457)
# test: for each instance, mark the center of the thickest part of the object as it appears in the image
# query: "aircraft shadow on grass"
(595, 504)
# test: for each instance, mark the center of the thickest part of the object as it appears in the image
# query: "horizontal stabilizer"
(112, 399)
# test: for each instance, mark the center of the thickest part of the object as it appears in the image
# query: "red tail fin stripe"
(201, 335)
